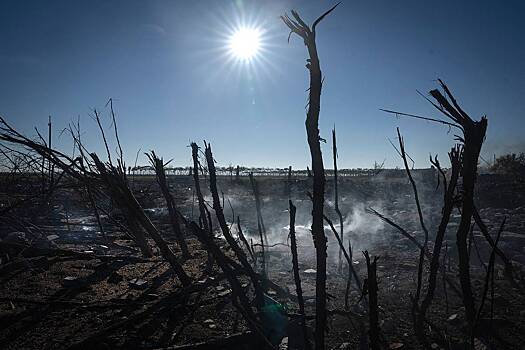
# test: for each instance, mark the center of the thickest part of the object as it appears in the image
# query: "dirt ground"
(105, 295)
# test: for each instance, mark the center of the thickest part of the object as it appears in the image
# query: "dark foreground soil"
(72, 288)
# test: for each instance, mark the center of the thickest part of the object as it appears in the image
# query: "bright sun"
(245, 43)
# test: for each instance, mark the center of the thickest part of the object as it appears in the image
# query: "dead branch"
(420, 215)
(420, 117)
(204, 216)
(448, 206)
(347, 255)
(260, 223)
(160, 172)
(121, 193)
(490, 272)
(97, 119)
(336, 200)
(226, 230)
(401, 230)
(473, 135)
(120, 154)
(243, 238)
(396, 226)
(297, 277)
(499, 252)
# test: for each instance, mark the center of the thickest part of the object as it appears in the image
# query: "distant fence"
(274, 172)
(271, 172)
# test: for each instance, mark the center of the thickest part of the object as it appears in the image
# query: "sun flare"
(245, 43)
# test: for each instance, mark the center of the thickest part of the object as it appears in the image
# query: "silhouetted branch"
(297, 277)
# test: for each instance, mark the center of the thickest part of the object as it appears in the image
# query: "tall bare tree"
(472, 137)
(307, 33)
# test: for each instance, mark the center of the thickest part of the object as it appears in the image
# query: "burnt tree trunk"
(299, 27)
(373, 310)
(312, 129)
(473, 137)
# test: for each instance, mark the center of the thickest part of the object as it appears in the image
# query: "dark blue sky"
(164, 63)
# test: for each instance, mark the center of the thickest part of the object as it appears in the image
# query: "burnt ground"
(72, 288)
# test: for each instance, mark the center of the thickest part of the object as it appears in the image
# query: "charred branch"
(297, 277)
(226, 230)
(160, 172)
(260, 223)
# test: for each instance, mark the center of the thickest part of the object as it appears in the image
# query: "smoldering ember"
(224, 195)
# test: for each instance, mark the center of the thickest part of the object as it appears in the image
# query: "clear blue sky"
(164, 63)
